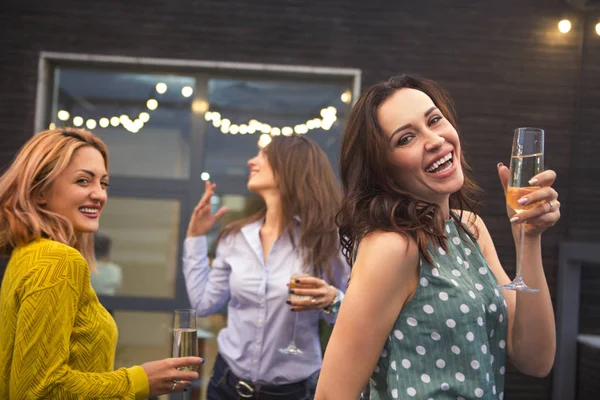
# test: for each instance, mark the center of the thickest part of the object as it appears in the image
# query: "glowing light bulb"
(205, 176)
(264, 140)
(564, 26)
(598, 29)
(144, 116)
(346, 96)
(199, 106)
(161, 87)
(152, 104)
(63, 115)
(104, 122)
(187, 91)
(114, 121)
(77, 121)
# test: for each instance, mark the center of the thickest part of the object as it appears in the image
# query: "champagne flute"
(527, 160)
(185, 336)
(292, 349)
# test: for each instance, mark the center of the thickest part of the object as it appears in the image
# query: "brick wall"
(504, 62)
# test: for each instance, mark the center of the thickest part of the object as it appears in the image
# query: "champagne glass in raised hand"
(527, 160)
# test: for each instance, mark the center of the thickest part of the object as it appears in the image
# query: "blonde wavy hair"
(33, 172)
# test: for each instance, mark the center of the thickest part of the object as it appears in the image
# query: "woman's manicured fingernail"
(533, 181)
(523, 200)
(202, 361)
(514, 219)
(288, 302)
(500, 165)
(297, 280)
(292, 291)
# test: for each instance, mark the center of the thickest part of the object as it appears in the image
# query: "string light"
(598, 29)
(564, 26)
(161, 87)
(200, 106)
(264, 140)
(346, 96)
(187, 91)
(152, 104)
(63, 115)
(144, 117)
(205, 176)
(90, 123)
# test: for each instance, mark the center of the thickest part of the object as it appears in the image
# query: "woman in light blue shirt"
(295, 233)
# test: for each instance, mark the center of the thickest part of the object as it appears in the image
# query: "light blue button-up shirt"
(259, 322)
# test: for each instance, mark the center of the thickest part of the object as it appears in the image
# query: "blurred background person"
(108, 276)
(295, 233)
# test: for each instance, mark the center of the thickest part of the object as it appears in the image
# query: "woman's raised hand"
(203, 219)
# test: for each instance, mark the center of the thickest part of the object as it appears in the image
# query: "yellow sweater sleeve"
(42, 345)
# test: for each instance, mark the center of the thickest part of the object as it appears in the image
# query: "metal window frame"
(187, 191)
(570, 259)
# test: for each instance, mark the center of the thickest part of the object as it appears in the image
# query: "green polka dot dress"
(449, 341)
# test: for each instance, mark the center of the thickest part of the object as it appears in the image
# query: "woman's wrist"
(334, 300)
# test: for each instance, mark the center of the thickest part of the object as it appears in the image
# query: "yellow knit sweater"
(57, 341)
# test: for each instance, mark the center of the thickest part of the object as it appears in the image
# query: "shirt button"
(254, 361)
(257, 341)
(260, 322)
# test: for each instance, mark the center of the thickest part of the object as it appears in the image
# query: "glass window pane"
(242, 110)
(144, 236)
(143, 118)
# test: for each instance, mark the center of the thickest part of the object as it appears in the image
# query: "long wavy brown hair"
(373, 200)
(308, 190)
(32, 172)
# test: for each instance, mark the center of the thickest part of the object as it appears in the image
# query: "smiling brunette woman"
(423, 317)
(57, 340)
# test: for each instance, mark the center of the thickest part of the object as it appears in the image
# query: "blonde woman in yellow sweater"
(57, 341)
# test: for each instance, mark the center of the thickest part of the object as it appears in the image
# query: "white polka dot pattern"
(451, 336)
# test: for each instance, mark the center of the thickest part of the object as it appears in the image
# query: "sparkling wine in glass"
(292, 349)
(185, 336)
(527, 160)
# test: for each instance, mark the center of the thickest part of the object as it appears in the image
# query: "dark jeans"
(222, 386)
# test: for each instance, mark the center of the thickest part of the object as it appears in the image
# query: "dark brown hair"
(372, 199)
(309, 190)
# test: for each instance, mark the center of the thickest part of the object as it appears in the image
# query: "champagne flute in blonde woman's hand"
(527, 160)
(185, 336)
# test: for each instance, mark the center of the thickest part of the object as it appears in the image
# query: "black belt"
(249, 390)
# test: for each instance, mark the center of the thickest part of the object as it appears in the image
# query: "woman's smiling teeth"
(444, 163)
(88, 210)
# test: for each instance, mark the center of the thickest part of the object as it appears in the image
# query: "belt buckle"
(244, 390)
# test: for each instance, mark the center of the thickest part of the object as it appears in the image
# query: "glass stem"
(294, 329)
(520, 249)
